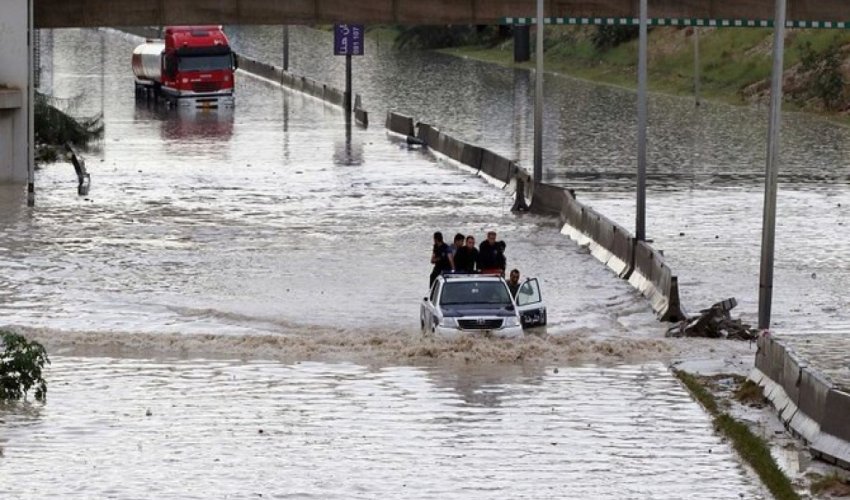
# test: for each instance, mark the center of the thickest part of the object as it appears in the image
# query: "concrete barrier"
(609, 243)
(548, 200)
(427, 133)
(334, 96)
(769, 358)
(807, 403)
(313, 88)
(361, 116)
(451, 147)
(319, 90)
(792, 375)
(812, 395)
(613, 245)
(656, 282)
(471, 156)
(400, 124)
(836, 417)
(497, 167)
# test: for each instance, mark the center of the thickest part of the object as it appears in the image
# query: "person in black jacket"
(466, 258)
(491, 255)
(441, 257)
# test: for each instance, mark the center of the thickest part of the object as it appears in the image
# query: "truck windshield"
(475, 292)
(204, 63)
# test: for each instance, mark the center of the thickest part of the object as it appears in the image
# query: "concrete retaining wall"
(809, 404)
(608, 242)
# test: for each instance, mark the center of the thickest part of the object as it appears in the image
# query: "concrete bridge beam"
(14, 80)
(95, 13)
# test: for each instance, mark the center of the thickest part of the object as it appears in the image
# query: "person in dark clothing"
(458, 244)
(491, 255)
(513, 282)
(441, 257)
(466, 258)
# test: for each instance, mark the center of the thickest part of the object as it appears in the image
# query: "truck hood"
(459, 311)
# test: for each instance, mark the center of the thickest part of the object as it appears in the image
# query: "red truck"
(191, 66)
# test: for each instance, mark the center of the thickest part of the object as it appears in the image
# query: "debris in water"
(715, 322)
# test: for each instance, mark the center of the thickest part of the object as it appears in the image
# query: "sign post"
(348, 41)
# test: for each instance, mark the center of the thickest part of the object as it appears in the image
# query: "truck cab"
(191, 66)
(198, 66)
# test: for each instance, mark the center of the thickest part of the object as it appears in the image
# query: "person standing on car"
(441, 257)
(466, 258)
(491, 255)
(458, 244)
(513, 282)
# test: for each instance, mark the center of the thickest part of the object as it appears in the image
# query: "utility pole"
(640, 212)
(538, 99)
(696, 66)
(768, 234)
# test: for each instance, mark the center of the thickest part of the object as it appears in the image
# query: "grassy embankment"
(735, 63)
(753, 449)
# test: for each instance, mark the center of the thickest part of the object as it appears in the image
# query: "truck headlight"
(448, 322)
(511, 321)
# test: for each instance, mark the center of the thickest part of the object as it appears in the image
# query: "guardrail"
(314, 88)
(608, 242)
(807, 403)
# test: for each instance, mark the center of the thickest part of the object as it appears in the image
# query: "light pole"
(640, 212)
(538, 99)
(768, 233)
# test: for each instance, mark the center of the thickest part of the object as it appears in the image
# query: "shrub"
(54, 127)
(21, 362)
(440, 37)
(827, 81)
(607, 37)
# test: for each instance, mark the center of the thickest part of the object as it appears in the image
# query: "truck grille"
(479, 324)
(205, 86)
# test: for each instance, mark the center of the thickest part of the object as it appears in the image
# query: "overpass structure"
(94, 13)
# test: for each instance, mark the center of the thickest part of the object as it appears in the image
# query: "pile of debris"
(715, 322)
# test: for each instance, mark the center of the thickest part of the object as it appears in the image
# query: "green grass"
(749, 393)
(753, 449)
(731, 59)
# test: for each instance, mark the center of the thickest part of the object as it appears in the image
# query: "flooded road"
(122, 428)
(261, 270)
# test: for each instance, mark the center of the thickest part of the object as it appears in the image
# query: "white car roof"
(471, 277)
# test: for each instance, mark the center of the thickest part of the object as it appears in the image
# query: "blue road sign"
(348, 39)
